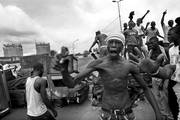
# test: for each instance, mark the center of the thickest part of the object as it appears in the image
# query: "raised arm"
(145, 29)
(145, 15)
(162, 19)
(136, 74)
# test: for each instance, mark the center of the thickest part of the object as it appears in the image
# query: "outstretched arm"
(70, 81)
(150, 97)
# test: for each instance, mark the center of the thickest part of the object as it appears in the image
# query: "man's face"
(153, 24)
(170, 23)
(139, 21)
(131, 25)
(41, 72)
(152, 44)
(125, 25)
(114, 47)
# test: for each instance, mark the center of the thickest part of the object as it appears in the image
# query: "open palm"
(153, 67)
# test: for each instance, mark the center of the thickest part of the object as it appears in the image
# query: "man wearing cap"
(114, 70)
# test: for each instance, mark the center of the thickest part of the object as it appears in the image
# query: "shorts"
(109, 116)
(46, 116)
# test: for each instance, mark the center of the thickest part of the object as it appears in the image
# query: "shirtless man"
(114, 70)
(100, 40)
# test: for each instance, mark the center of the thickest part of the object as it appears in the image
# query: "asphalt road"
(84, 111)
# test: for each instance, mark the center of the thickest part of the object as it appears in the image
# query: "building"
(42, 48)
(11, 50)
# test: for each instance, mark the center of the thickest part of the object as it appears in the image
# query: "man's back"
(101, 39)
(35, 105)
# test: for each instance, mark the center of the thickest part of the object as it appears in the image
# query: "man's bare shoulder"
(41, 81)
(95, 63)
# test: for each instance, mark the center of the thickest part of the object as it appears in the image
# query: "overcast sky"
(61, 22)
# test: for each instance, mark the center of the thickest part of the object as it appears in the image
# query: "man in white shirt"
(165, 27)
(36, 96)
(152, 32)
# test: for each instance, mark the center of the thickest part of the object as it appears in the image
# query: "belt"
(118, 111)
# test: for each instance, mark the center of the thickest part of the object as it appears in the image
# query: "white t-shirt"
(174, 54)
(35, 105)
(175, 60)
(139, 29)
(151, 33)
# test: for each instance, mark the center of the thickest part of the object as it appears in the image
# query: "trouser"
(177, 92)
(161, 98)
(104, 115)
(172, 99)
(46, 116)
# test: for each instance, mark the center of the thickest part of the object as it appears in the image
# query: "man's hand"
(90, 50)
(152, 67)
(164, 12)
(143, 60)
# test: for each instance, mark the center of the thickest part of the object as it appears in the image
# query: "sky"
(72, 22)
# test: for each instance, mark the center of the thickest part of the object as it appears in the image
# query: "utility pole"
(118, 4)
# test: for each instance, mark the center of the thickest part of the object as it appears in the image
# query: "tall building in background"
(12, 50)
(42, 48)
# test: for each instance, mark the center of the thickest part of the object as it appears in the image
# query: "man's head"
(153, 43)
(98, 32)
(125, 25)
(153, 24)
(170, 23)
(115, 44)
(38, 69)
(177, 20)
(64, 51)
(131, 24)
(139, 21)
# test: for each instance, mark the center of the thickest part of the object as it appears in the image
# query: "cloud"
(15, 22)
(60, 22)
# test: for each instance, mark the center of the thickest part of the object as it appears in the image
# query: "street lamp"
(73, 45)
(118, 4)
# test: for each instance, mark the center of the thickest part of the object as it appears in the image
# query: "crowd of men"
(121, 55)
(149, 39)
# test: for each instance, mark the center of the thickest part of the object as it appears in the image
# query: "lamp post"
(73, 45)
(118, 4)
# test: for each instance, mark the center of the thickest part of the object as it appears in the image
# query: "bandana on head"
(120, 37)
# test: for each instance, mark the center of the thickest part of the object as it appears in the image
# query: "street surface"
(83, 111)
